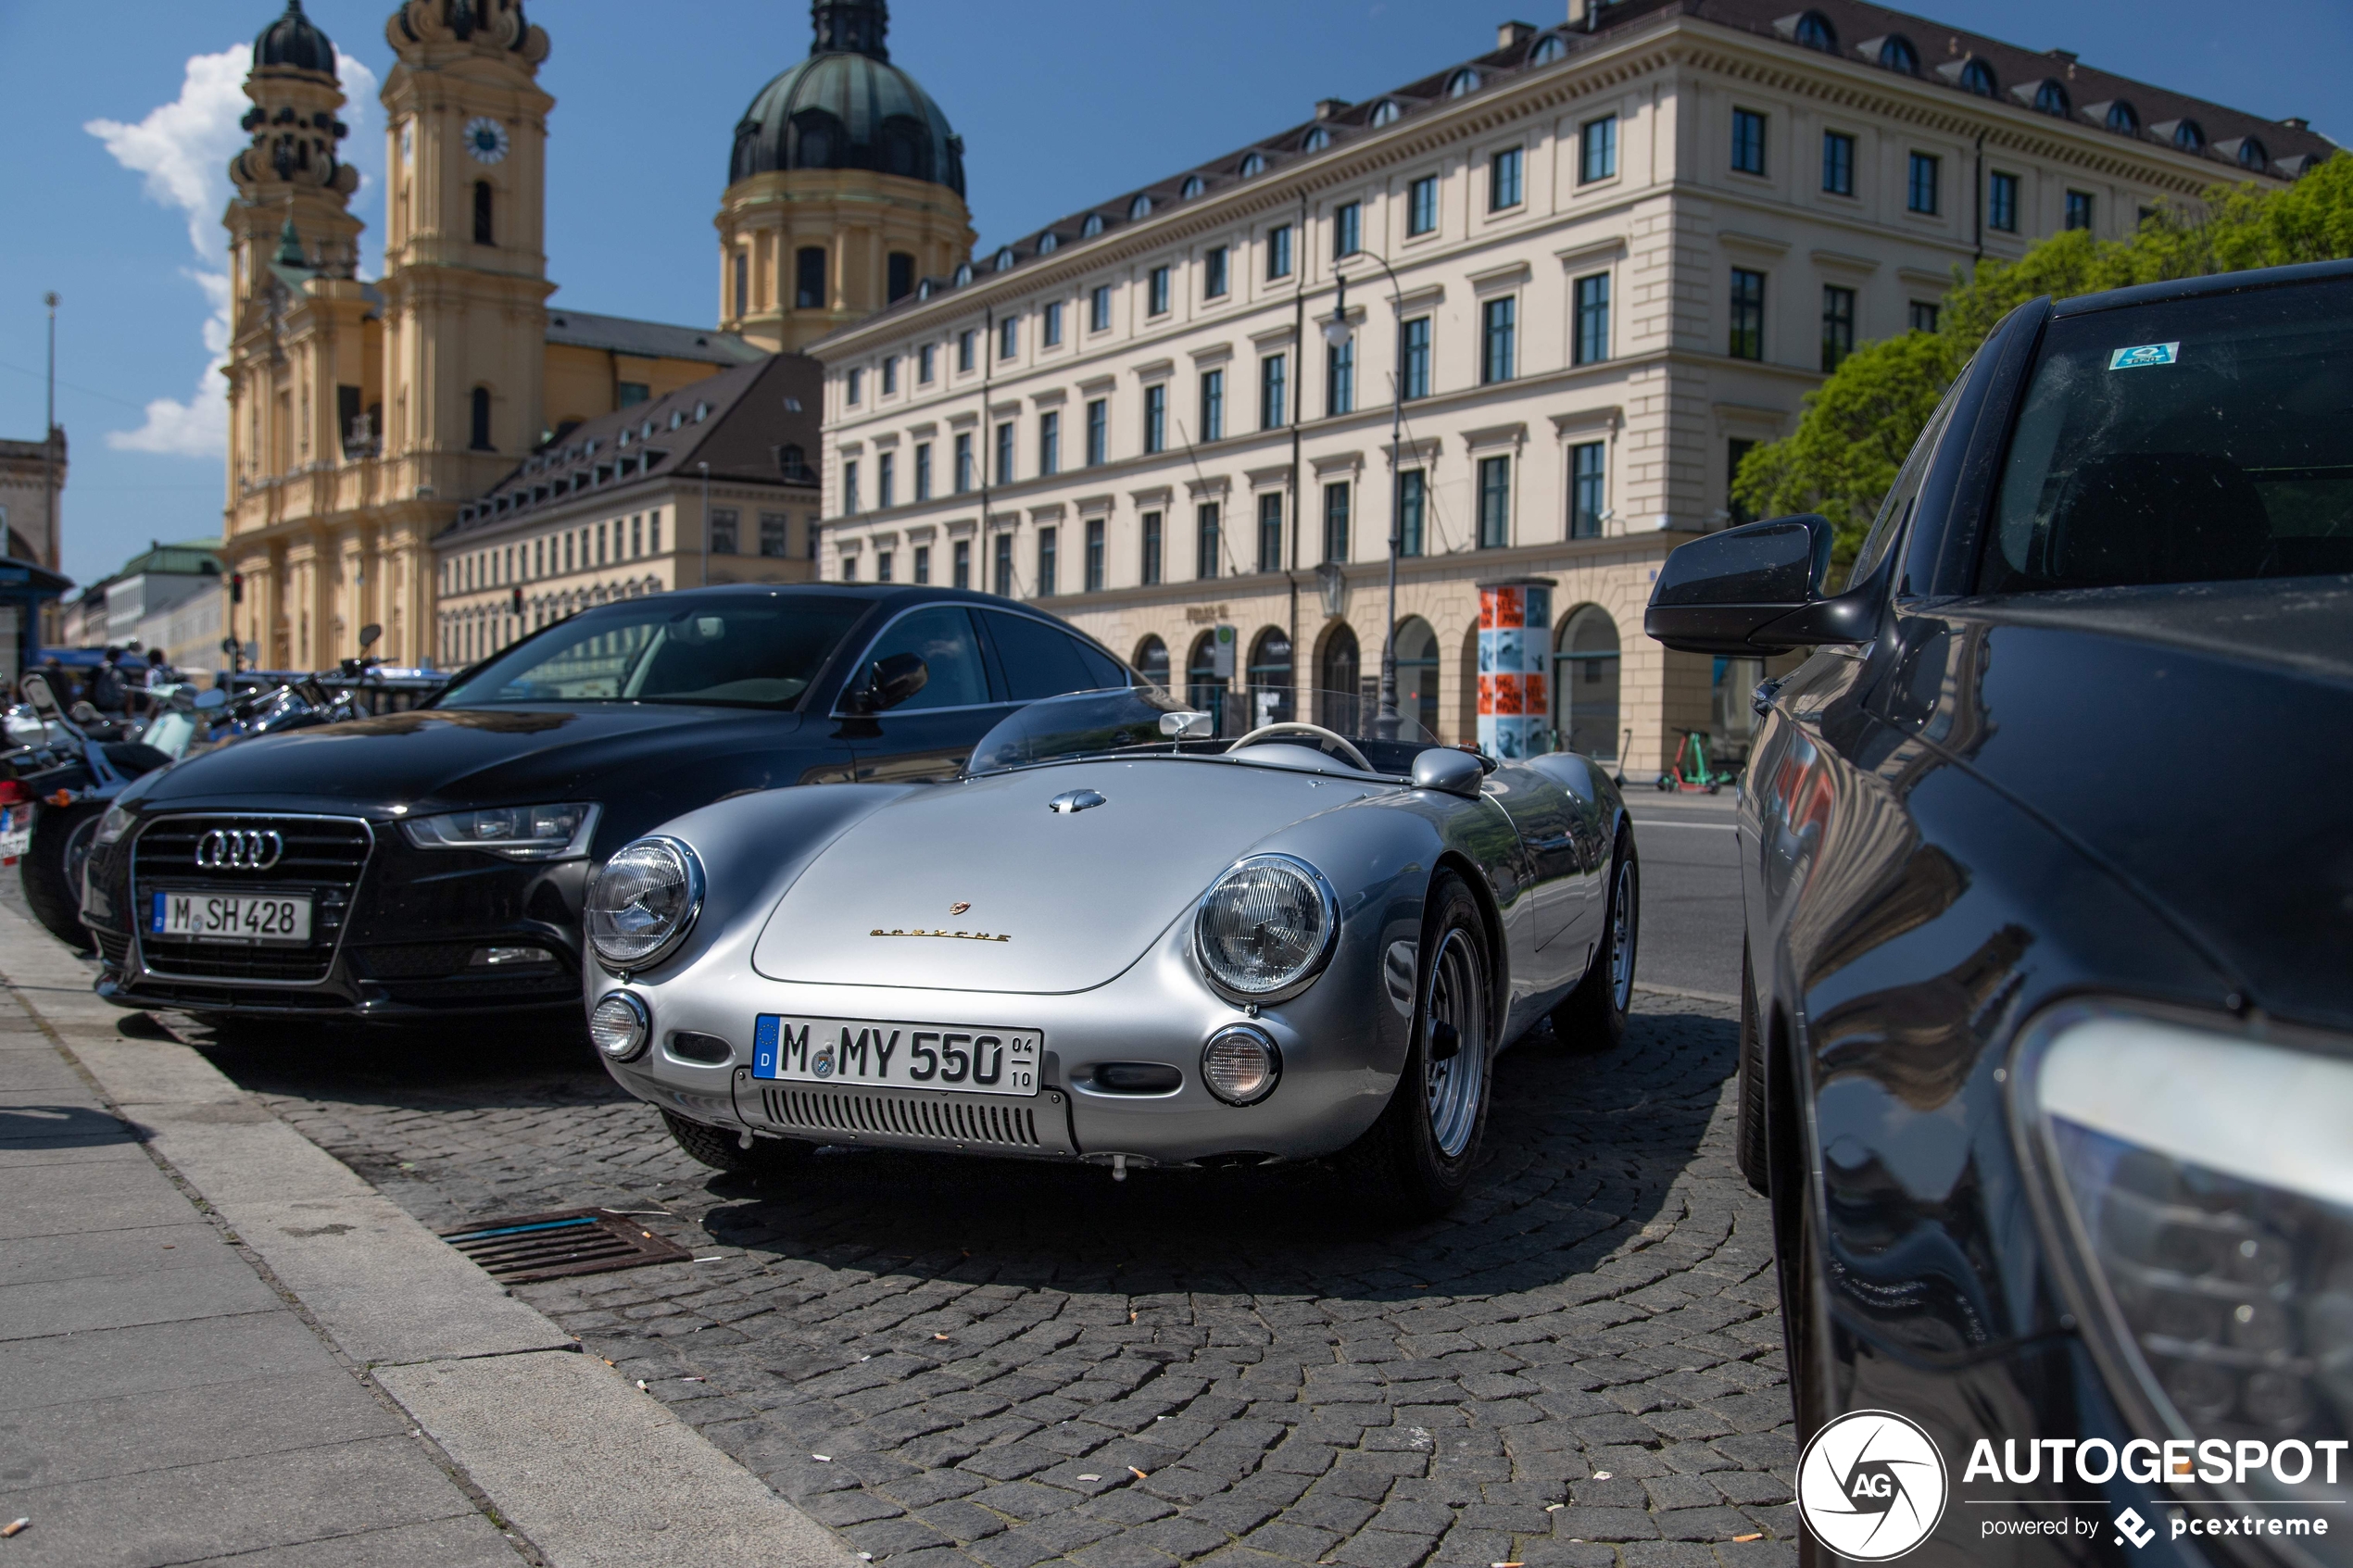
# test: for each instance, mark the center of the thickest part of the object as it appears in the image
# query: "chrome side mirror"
(1188, 725)
(1447, 770)
(44, 698)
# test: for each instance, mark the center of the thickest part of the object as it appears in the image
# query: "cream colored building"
(1596, 261)
(33, 482)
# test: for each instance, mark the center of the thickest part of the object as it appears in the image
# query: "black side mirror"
(367, 635)
(889, 681)
(1758, 589)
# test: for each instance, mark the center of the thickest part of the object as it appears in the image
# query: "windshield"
(747, 652)
(1129, 718)
(2193, 441)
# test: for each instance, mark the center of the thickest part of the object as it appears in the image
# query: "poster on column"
(1514, 666)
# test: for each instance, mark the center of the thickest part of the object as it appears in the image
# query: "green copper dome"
(847, 107)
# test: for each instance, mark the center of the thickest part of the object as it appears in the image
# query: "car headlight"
(642, 901)
(1266, 927)
(113, 825)
(620, 1026)
(1241, 1065)
(2199, 1181)
(519, 833)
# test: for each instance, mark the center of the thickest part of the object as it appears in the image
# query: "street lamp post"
(1386, 722)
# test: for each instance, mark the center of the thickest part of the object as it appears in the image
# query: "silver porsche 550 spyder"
(1115, 938)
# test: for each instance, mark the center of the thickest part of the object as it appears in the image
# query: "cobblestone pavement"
(952, 1361)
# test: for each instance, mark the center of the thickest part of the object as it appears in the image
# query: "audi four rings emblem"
(239, 849)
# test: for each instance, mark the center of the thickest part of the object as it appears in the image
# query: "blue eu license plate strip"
(966, 1059)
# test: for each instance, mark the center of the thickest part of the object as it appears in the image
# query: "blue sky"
(123, 115)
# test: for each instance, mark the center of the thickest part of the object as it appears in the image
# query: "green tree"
(1855, 429)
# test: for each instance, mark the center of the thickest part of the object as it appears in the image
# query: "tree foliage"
(1855, 429)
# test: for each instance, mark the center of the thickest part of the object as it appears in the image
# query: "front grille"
(114, 948)
(323, 855)
(1012, 1124)
(412, 960)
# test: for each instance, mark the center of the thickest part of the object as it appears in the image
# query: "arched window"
(1896, 52)
(922, 290)
(2051, 99)
(1316, 140)
(1141, 208)
(808, 278)
(1205, 688)
(2253, 153)
(1417, 672)
(1977, 77)
(2190, 137)
(1465, 81)
(1005, 260)
(1384, 113)
(1093, 226)
(1550, 48)
(1193, 187)
(482, 420)
(1815, 31)
(963, 273)
(1049, 243)
(1585, 667)
(482, 201)
(1271, 679)
(1151, 661)
(1337, 697)
(1253, 164)
(2123, 119)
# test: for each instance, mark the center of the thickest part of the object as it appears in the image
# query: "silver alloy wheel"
(1622, 925)
(1457, 998)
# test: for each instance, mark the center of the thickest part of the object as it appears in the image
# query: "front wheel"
(1417, 1159)
(52, 868)
(724, 1151)
(1591, 1019)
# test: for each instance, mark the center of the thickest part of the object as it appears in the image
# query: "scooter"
(1690, 772)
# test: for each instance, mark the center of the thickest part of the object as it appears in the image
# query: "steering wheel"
(1327, 740)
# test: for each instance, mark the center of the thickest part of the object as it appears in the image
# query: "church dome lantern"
(847, 107)
(295, 43)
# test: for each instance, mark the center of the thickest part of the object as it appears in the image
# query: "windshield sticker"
(2146, 353)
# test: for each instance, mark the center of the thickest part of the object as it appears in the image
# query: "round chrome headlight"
(642, 901)
(1267, 928)
(1241, 1065)
(620, 1026)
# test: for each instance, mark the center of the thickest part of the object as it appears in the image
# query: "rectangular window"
(1274, 391)
(1735, 452)
(960, 565)
(1494, 503)
(1593, 319)
(1156, 292)
(849, 568)
(1421, 206)
(1413, 494)
(922, 563)
(1279, 252)
(1048, 545)
(1098, 431)
(1413, 359)
(1001, 565)
(1348, 229)
(1005, 452)
(1588, 489)
(923, 471)
(849, 485)
(1838, 163)
(1339, 378)
(1497, 338)
(965, 348)
(1094, 554)
(1336, 523)
(885, 480)
(1597, 149)
(1919, 188)
(1270, 531)
(723, 534)
(1149, 568)
(926, 358)
(1050, 442)
(1205, 540)
(1212, 405)
(773, 529)
(1503, 180)
(1924, 316)
(808, 278)
(1748, 314)
(2001, 202)
(890, 375)
(2079, 210)
(1156, 417)
(1212, 273)
(963, 461)
(882, 566)
(1050, 325)
(1837, 325)
(1008, 337)
(857, 387)
(1099, 308)
(1748, 142)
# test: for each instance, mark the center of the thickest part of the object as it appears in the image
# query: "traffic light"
(517, 592)
(237, 587)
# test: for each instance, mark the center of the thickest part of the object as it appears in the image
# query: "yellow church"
(418, 452)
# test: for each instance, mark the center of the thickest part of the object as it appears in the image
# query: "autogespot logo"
(1871, 1485)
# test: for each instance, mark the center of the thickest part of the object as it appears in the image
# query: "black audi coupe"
(430, 863)
(2046, 1048)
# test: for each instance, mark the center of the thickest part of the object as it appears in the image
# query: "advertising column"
(1514, 666)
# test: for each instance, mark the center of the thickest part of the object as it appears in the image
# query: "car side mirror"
(1757, 589)
(1446, 769)
(208, 701)
(367, 635)
(38, 692)
(891, 680)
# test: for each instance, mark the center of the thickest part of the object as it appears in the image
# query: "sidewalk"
(216, 1343)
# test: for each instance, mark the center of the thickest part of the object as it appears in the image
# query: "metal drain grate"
(572, 1241)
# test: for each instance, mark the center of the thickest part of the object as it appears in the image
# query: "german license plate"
(15, 833)
(897, 1056)
(230, 917)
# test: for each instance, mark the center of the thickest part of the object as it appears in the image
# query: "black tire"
(1591, 1019)
(1415, 1161)
(52, 868)
(724, 1151)
(1796, 1268)
(1748, 1128)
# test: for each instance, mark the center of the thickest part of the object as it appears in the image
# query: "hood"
(1076, 899)
(2200, 740)
(436, 757)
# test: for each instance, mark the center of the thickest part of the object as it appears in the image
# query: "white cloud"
(183, 149)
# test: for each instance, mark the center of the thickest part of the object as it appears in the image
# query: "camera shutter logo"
(1871, 1485)
(239, 849)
